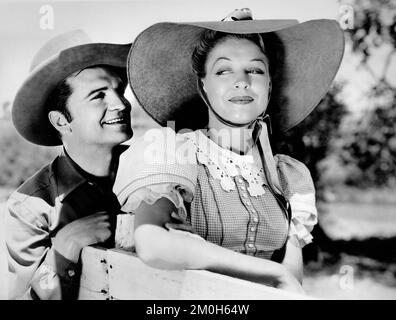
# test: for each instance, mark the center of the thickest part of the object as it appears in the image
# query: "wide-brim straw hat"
(161, 76)
(56, 60)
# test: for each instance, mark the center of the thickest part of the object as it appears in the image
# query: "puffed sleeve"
(160, 156)
(297, 184)
(160, 164)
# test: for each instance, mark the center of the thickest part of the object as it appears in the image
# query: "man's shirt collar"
(67, 175)
(70, 175)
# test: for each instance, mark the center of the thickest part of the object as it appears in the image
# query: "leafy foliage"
(371, 144)
(314, 138)
(374, 26)
(372, 148)
(19, 159)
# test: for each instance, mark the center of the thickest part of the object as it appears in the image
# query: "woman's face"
(237, 81)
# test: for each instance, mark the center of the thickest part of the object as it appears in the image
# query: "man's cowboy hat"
(56, 60)
(161, 76)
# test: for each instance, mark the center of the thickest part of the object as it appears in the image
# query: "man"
(74, 96)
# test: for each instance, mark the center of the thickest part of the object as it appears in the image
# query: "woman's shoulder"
(287, 163)
(159, 137)
(157, 143)
(294, 175)
(159, 156)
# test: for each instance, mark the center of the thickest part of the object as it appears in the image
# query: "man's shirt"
(58, 194)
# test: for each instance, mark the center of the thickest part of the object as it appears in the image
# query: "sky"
(22, 31)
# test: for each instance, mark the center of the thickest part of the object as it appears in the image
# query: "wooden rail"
(115, 274)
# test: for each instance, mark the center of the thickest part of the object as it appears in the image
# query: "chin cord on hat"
(261, 126)
(260, 137)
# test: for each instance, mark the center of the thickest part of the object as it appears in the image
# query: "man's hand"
(179, 224)
(73, 237)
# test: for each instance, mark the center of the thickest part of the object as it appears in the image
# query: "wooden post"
(94, 283)
(116, 274)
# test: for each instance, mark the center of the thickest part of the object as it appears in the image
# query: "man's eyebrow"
(96, 90)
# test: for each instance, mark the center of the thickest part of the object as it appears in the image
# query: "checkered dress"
(225, 196)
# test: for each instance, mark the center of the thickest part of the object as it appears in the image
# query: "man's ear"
(59, 121)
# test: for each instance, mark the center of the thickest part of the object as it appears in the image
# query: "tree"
(19, 158)
(371, 145)
(314, 138)
(311, 142)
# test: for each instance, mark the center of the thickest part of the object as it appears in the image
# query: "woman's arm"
(160, 248)
(293, 260)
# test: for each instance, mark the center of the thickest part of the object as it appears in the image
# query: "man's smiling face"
(100, 113)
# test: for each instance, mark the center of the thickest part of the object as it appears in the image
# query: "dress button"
(252, 229)
(248, 203)
(250, 245)
(255, 220)
(71, 273)
(244, 195)
(243, 188)
(240, 180)
(253, 211)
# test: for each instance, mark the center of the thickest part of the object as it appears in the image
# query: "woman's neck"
(236, 139)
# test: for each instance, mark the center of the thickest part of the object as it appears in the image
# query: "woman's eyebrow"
(259, 60)
(220, 58)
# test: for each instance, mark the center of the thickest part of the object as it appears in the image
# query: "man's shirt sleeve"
(37, 271)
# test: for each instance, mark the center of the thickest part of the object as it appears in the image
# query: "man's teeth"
(114, 121)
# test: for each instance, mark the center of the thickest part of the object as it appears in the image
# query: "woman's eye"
(256, 71)
(223, 72)
(100, 95)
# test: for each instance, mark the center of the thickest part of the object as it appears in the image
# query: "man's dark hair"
(57, 100)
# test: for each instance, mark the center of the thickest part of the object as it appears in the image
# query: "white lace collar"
(224, 164)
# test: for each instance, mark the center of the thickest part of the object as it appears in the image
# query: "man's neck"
(95, 160)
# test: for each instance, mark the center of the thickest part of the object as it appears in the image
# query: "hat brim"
(161, 76)
(29, 113)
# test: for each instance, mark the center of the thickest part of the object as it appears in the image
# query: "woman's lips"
(241, 99)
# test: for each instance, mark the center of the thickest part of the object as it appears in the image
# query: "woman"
(253, 210)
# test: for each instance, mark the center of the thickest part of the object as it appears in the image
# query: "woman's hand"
(179, 224)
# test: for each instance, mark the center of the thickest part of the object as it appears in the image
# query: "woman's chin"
(242, 120)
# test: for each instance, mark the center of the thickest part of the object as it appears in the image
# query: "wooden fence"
(115, 274)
